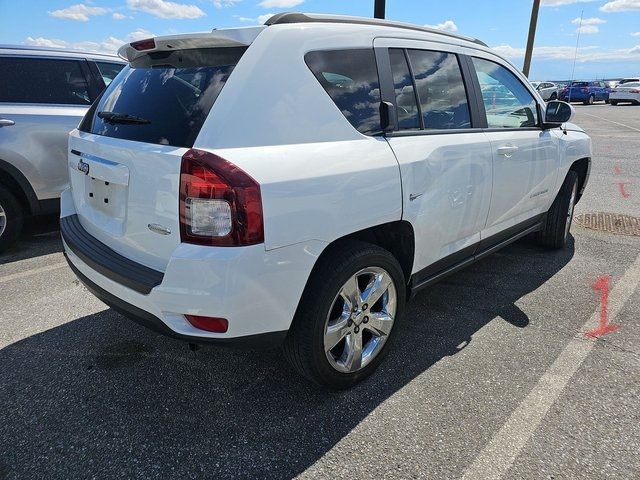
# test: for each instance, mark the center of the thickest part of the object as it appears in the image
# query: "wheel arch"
(15, 181)
(583, 168)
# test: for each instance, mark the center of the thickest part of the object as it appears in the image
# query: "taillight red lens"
(146, 44)
(210, 324)
(634, 91)
(220, 204)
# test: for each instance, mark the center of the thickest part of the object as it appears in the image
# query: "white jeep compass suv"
(294, 183)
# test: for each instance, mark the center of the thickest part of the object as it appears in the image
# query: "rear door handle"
(5, 122)
(507, 150)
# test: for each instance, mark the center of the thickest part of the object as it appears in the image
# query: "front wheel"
(11, 219)
(614, 103)
(555, 232)
(553, 96)
(590, 100)
(347, 316)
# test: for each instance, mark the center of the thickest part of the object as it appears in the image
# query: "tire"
(614, 102)
(11, 219)
(322, 306)
(590, 100)
(555, 232)
(553, 96)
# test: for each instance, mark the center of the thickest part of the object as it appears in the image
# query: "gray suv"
(44, 93)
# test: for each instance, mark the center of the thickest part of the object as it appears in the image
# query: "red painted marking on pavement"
(623, 191)
(617, 170)
(604, 327)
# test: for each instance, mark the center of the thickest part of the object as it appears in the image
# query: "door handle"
(5, 122)
(507, 150)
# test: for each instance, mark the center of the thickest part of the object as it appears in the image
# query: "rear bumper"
(146, 319)
(256, 290)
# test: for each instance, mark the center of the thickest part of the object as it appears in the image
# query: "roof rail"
(291, 17)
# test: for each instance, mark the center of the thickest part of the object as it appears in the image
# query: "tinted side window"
(36, 80)
(407, 105)
(443, 99)
(350, 77)
(507, 102)
(109, 70)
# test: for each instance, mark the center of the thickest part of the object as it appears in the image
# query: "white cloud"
(447, 26)
(621, 6)
(118, 16)
(260, 19)
(635, 34)
(164, 9)
(280, 3)
(79, 12)
(108, 45)
(225, 3)
(589, 25)
(558, 3)
(585, 54)
(588, 21)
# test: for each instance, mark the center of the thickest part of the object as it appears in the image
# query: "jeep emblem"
(83, 167)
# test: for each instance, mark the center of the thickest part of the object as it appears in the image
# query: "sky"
(609, 41)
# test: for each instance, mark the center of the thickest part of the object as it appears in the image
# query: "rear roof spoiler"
(228, 37)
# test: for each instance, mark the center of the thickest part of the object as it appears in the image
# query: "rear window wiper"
(124, 118)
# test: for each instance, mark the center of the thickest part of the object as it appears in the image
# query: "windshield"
(164, 97)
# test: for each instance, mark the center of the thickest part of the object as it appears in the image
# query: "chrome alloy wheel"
(3, 220)
(572, 203)
(360, 319)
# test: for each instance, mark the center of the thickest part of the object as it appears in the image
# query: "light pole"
(532, 36)
(378, 9)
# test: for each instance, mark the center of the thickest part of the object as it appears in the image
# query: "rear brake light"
(210, 324)
(220, 205)
(146, 44)
(634, 91)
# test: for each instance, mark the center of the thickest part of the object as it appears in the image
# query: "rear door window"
(350, 77)
(163, 97)
(109, 70)
(43, 80)
(441, 91)
(406, 102)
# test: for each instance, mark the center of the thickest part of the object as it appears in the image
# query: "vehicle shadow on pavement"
(40, 237)
(101, 396)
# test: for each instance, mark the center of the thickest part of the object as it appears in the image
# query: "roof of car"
(290, 17)
(32, 49)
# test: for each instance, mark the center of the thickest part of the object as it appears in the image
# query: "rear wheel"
(11, 219)
(590, 100)
(347, 315)
(553, 96)
(614, 102)
(555, 232)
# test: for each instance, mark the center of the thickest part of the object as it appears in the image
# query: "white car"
(628, 92)
(294, 183)
(547, 90)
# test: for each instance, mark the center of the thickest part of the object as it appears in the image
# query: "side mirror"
(557, 113)
(388, 117)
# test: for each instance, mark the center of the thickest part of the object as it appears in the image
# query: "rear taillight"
(210, 324)
(634, 91)
(146, 44)
(220, 205)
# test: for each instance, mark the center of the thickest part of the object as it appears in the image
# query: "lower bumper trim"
(146, 319)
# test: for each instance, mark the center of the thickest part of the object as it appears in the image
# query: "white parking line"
(610, 121)
(502, 450)
(33, 271)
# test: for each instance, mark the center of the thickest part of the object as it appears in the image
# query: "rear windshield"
(163, 97)
(579, 84)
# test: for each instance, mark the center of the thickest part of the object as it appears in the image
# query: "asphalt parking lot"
(491, 376)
